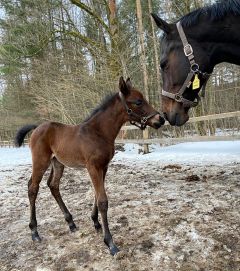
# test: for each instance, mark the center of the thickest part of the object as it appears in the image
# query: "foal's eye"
(139, 102)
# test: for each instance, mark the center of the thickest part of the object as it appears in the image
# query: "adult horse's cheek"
(166, 104)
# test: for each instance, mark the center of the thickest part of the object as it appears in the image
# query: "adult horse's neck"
(108, 122)
(220, 39)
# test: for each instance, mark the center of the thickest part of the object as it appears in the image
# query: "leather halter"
(142, 123)
(194, 69)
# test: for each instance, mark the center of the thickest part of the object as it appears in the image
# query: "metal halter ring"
(194, 67)
(129, 111)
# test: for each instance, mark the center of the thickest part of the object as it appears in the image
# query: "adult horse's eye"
(164, 65)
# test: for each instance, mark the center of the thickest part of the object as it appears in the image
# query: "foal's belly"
(75, 160)
(71, 164)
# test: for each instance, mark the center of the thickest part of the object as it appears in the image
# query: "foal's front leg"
(97, 176)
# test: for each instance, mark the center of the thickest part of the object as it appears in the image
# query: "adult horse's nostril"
(178, 120)
(157, 125)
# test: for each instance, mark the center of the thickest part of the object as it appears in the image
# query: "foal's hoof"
(98, 227)
(36, 237)
(114, 250)
(73, 227)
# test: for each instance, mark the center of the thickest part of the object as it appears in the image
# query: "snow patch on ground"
(204, 153)
(197, 153)
(14, 156)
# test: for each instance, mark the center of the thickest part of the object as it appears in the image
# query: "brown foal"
(90, 144)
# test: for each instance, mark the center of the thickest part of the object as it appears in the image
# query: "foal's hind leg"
(94, 215)
(53, 183)
(39, 168)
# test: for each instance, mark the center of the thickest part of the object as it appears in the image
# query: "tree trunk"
(142, 61)
(115, 66)
(142, 48)
(154, 39)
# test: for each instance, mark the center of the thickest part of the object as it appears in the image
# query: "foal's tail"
(21, 133)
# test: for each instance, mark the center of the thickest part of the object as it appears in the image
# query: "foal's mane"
(106, 102)
(214, 12)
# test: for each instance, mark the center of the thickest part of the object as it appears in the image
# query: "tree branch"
(92, 13)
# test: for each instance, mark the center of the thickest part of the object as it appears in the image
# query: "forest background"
(59, 58)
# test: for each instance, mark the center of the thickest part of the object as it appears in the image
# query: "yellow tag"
(196, 82)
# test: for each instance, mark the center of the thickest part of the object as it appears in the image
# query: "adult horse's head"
(185, 67)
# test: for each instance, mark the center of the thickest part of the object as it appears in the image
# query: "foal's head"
(138, 111)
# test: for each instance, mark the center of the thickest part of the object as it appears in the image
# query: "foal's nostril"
(161, 120)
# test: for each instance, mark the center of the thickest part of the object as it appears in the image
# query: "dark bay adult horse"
(189, 51)
(90, 144)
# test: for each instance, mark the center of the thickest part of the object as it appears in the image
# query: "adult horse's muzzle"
(176, 119)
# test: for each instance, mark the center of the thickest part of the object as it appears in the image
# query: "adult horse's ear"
(161, 23)
(124, 87)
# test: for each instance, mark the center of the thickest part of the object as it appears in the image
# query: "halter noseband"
(194, 70)
(142, 124)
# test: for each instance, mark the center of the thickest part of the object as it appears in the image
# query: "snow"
(204, 153)
(14, 156)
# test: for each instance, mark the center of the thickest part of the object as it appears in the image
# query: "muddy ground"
(171, 217)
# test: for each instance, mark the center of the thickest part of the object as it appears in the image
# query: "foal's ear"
(162, 24)
(129, 83)
(125, 87)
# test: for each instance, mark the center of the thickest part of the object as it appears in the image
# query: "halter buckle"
(144, 120)
(178, 98)
(188, 50)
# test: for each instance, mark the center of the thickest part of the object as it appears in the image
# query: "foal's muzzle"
(157, 121)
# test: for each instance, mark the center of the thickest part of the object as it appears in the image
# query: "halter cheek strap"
(194, 69)
(142, 123)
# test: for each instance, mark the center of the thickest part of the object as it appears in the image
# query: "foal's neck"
(221, 39)
(109, 121)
